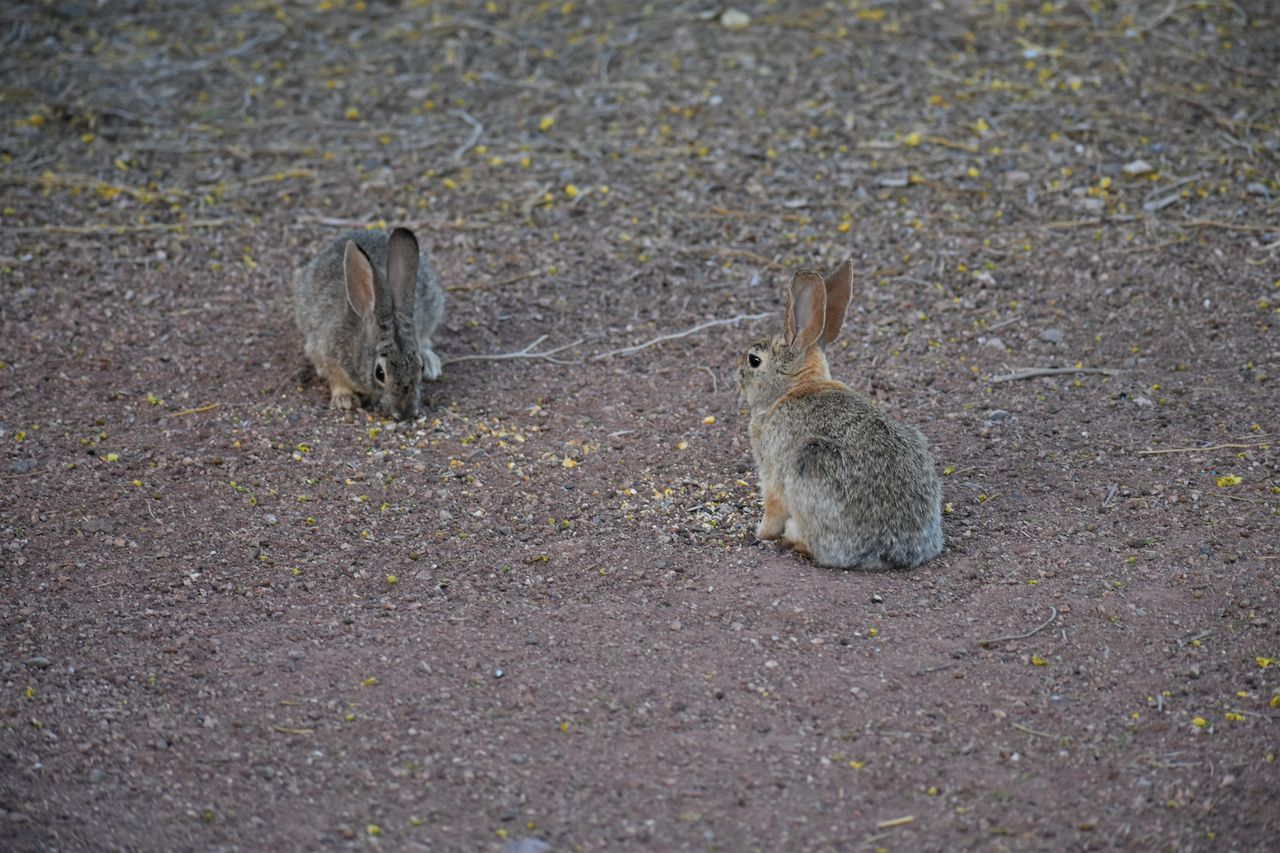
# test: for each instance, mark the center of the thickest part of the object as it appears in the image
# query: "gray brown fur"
(841, 480)
(397, 334)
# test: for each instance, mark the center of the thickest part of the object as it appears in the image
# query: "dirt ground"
(536, 618)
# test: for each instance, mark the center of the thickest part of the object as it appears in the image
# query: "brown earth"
(536, 618)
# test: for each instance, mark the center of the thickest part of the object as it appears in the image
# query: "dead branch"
(477, 130)
(1205, 449)
(530, 351)
(625, 351)
(1033, 372)
(1053, 614)
(108, 230)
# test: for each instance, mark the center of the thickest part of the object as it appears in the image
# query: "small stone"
(877, 598)
(21, 466)
(38, 662)
(1138, 167)
(995, 343)
(998, 416)
(96, 775)
(1255, 188)
(1092, 205)
(1016, 178)
(526, 845)
(271, 520)
(1052, 336)
(499, 672)
(733, 19)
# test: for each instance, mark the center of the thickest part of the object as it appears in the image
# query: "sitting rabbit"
(842, 482)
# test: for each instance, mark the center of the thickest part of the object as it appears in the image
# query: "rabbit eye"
(753, 360)
(379, 374)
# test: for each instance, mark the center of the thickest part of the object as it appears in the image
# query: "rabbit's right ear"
(806, 309)
(839, 287)
(402, 269)
(359, 275)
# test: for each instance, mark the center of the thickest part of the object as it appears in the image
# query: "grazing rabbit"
(842, 482)
(368, 307)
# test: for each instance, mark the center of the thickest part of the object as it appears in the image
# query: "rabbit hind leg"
(795, 539)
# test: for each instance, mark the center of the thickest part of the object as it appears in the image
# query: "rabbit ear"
(402, 269)
(839, 287)
(806, 309)
(359, 275)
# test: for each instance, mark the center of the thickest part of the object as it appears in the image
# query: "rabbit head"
(772, 367)
(386, 352)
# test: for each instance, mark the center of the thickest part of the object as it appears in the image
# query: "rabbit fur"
(368, 307)
(842, 482)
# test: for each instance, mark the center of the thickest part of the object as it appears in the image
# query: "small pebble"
(998, 415)
(39, 662)
(1052, 336)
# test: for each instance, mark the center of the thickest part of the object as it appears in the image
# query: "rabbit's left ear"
(839, 287)
(806, 309)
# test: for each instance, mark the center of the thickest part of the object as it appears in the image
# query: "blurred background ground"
(236, 620)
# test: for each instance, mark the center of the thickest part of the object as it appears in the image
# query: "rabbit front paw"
(431, 366)
(770, 528)
(342, 398)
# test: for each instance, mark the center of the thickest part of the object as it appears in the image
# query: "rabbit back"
(861, 487)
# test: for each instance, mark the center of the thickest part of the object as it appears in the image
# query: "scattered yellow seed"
(1199, 722)
(569, 463)
(547, 123)
(564, 727)
(352, 113)
(873, 632)
(857, 765)
(392, 579)
(112, 457)
(369, 682)
(1036, 660)
(572, 191)
(709, 420)
(912, 139)
(1234, 716)
(682, 445)
(1263, 662)
(1229, 480)
(373, 829)
(844, 227)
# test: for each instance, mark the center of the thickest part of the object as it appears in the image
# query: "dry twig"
(529, 351)
(1053, 614)
(1033, 372)
(674, 335)
(1205, 449)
